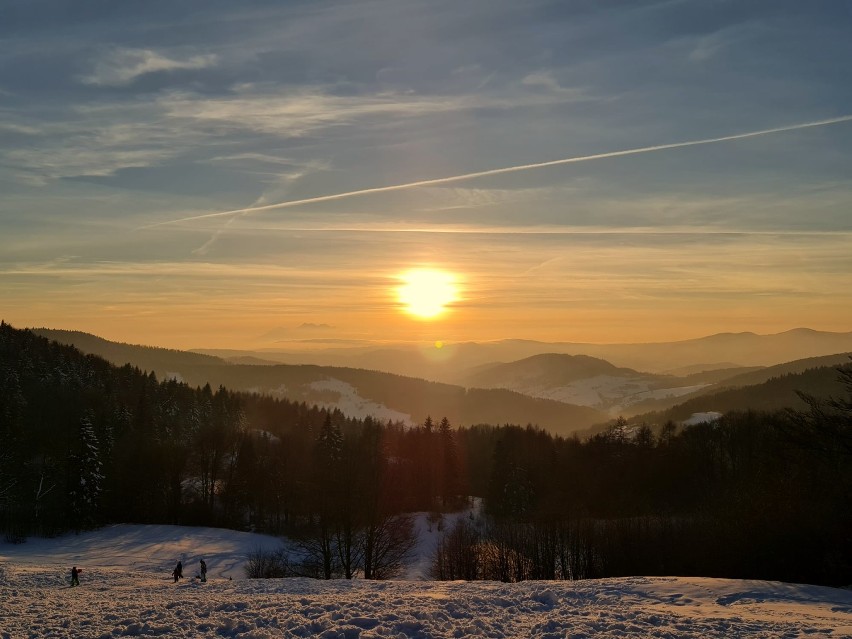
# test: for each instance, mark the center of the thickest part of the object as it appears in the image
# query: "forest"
(761, 495)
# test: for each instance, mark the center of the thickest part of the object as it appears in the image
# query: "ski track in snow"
(126, 590)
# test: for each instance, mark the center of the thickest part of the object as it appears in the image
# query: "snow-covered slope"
(581, 380)
(152, 550)
(126, 590)
(347, 399)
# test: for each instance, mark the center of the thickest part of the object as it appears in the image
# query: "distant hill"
(356, 392)
(583, 380)
(455, 362)
(752, 377)
(773, 394)
(163, 362)
(250, 359)
(742, 349)
(359, 393)
(693, 369)
(558, 391)
(748, 378)
(718, 375)
(549, 369)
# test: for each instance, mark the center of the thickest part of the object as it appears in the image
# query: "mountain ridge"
(454, 361)
(558, 391)
(362, 391)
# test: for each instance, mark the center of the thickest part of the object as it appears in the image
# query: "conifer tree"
(85, 478)
(450, 473)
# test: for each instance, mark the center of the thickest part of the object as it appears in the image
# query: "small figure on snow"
(203, 570)
(75, 576)
(177, 573)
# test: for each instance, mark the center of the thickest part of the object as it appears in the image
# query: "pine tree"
(450, 479)
(85, 478)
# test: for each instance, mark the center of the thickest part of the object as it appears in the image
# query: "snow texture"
(127, 590)
(333, 393)
(702, 418)
(353, 405)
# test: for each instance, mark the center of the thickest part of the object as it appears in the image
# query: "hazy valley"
(561, 392)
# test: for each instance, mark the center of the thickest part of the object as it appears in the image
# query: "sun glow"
(426, 293)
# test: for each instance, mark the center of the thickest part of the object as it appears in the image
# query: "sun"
(425, 293)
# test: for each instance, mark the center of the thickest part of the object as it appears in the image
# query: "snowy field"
(126, 590)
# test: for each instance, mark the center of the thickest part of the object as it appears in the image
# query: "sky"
(675, 168)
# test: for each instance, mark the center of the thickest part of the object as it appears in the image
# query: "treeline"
(753, 495)
(84, 443)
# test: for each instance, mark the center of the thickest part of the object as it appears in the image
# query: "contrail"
(508, 169)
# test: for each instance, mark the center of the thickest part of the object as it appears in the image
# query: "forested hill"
(163, 361)
(759, 390)
(83, 441)
(357, 392)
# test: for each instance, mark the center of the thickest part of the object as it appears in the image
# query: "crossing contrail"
(508, 169)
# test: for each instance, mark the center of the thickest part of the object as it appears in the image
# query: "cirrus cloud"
(119, 67)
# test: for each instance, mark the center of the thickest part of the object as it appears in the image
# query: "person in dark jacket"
(177, 573)
(75, 576)
(203, 570)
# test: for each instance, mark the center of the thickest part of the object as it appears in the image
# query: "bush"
(269, 564)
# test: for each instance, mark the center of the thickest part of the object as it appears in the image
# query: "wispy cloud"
(307, 109)
(118, 67)
(99, 140)
(545, 80)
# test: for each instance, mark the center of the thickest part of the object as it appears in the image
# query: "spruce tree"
(85, 478)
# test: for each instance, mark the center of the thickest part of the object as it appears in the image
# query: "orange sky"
(588, 172)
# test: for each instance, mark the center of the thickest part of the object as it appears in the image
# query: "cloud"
(121, 67)
(303, 110)
(242, 158)
(99, 140)
(545, 81)
(705, 47)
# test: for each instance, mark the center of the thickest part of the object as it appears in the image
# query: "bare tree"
(388, 544)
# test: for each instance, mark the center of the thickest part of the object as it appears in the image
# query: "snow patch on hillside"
(702, 418)
(333, 393)
(606, 392)
(353, 405)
